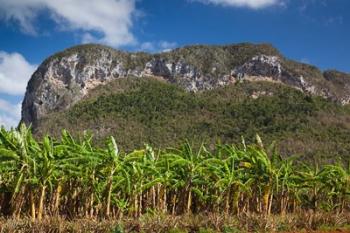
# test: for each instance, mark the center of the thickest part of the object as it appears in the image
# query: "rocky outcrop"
(341, 85)
(61, 82)
(65, 78)
(265, 66)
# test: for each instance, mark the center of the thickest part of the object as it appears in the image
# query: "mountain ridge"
(206, 94)
(64, 78)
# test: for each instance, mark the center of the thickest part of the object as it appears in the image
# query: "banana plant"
(264, 173)
(21, 148)
(188, 166)
(72, 178)
(335, 183)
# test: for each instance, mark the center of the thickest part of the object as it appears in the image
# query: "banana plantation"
(71, 178)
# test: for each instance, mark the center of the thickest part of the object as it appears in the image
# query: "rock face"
(65, 78)
(61, 82)
(268, 66)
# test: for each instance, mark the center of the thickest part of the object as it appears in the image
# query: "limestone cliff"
(65, 78)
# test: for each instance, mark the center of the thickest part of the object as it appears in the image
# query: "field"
(70, 185)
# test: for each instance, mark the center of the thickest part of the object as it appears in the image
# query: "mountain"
(201, 93)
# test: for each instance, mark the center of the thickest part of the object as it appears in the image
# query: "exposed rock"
(61, 82)
(341, 85)
(64, 79)
(257, 94)
(262, 65)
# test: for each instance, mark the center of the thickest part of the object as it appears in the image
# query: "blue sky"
(310, 31)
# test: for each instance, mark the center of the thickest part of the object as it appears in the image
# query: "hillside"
(139, 111)
(200, 93)
(66, 77)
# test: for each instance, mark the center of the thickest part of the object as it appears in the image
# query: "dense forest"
(137, 111)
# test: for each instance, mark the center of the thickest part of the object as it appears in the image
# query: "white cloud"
(332, 20)
(15, 72)
(254, 4)
(103, 21)
(7, 122)
(160, 46)
(147, 46)
(166, 45)
(305, 60)
(10, 114)
(13, 110)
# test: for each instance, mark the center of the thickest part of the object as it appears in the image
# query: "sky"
(316, 32)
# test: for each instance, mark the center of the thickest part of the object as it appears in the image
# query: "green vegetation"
(74, 179)
(223, 179)
(138, 111)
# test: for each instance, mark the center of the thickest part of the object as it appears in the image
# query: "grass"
(211, 223)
